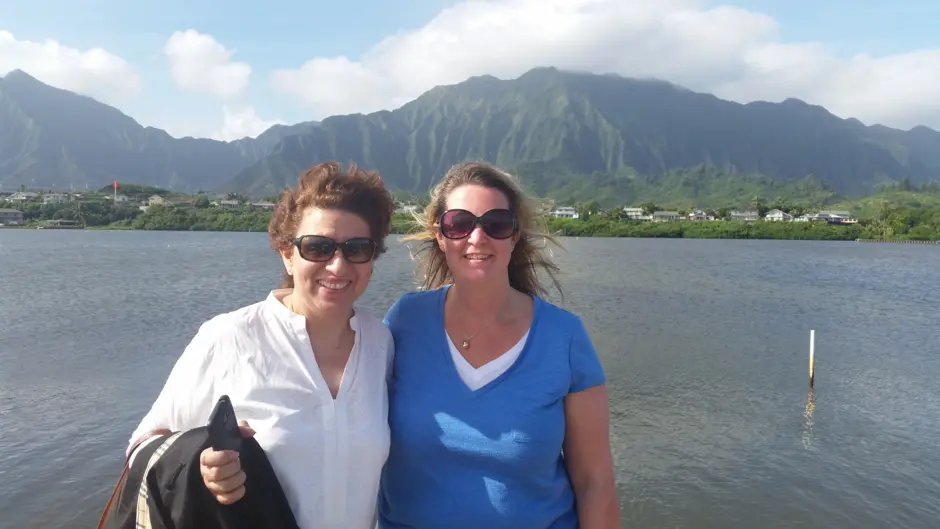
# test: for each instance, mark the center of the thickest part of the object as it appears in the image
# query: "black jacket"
(172, 495)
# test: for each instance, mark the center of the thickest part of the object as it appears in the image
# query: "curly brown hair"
(327, 186)
(528, 256)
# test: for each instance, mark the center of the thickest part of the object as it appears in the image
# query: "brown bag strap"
(103, 520)
(106, 512)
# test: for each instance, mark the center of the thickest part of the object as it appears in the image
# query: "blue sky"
(872, 26)
(267, 34)
(283, 34)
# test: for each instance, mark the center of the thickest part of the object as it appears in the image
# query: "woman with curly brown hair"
(304, 367)
(498, 410)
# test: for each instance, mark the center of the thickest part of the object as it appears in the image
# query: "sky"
(228, 69)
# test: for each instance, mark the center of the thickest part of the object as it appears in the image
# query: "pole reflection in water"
(808, 421)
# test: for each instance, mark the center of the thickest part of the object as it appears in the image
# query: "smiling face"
(334, 284)
(477, 257)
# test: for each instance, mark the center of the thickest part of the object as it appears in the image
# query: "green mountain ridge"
(568, 135)
(577, 124)
(52, 137)
(55, 138)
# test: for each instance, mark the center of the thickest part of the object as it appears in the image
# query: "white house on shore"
(55, 198)
(666, 216)
(10, 217)
(565, 212)
(748, 216)
(23, 196)
(636, 214)
(406, 208)
(699, 215)
(778, 216)
(832, 217)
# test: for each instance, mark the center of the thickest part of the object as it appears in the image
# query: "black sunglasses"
(496, 223)
(318, 248)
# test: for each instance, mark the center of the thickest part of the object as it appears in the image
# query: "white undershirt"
(477, 377)
(328, 454)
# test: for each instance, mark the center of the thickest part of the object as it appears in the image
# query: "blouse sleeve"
(186, 399)
(586, 368)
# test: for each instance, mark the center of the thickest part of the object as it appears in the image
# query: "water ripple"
(704, 343)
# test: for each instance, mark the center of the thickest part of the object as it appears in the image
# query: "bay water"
(705, 344)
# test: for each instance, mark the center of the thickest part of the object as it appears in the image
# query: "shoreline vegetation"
(890, 215)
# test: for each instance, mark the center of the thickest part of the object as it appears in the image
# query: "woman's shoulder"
(375, 337)
(414, 307)
(419, 297)
(239, 325)
(371, 326)
(556, 316)
(564, 332)
(237, 319)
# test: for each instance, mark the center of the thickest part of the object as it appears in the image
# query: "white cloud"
(237, 121)
(241, 122)
(729, 51)
(93, 72)
(199, 63)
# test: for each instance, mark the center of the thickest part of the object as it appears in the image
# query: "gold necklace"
(466, 338)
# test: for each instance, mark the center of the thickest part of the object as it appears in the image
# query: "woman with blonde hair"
(498, 408)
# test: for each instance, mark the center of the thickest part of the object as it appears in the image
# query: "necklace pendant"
(465, 344)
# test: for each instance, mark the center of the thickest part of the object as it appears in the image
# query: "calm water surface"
(705, 344)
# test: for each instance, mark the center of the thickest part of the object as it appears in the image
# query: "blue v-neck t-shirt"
(489, 458)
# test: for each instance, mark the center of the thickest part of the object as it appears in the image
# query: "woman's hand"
(222, 471)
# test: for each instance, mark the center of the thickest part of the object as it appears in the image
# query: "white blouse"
(328, 454)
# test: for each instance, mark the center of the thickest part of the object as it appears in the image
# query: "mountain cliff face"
(55, 138)
(581, 124)
(559, 130)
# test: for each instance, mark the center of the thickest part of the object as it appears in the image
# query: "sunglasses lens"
(314, 248)
(457, 223)
(498, 223)
(359, 250)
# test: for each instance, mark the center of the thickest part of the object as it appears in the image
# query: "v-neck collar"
(297, 324)
(443, 345)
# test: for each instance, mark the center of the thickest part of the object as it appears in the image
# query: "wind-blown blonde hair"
(528, 256)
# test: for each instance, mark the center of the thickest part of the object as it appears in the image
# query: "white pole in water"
(812, 356)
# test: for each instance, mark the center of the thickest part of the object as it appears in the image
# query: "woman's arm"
(587, 436)
(186, 398)
(588, 458)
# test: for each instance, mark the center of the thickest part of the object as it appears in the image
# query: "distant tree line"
(589, 209)
(918, 222)
(892, 222)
